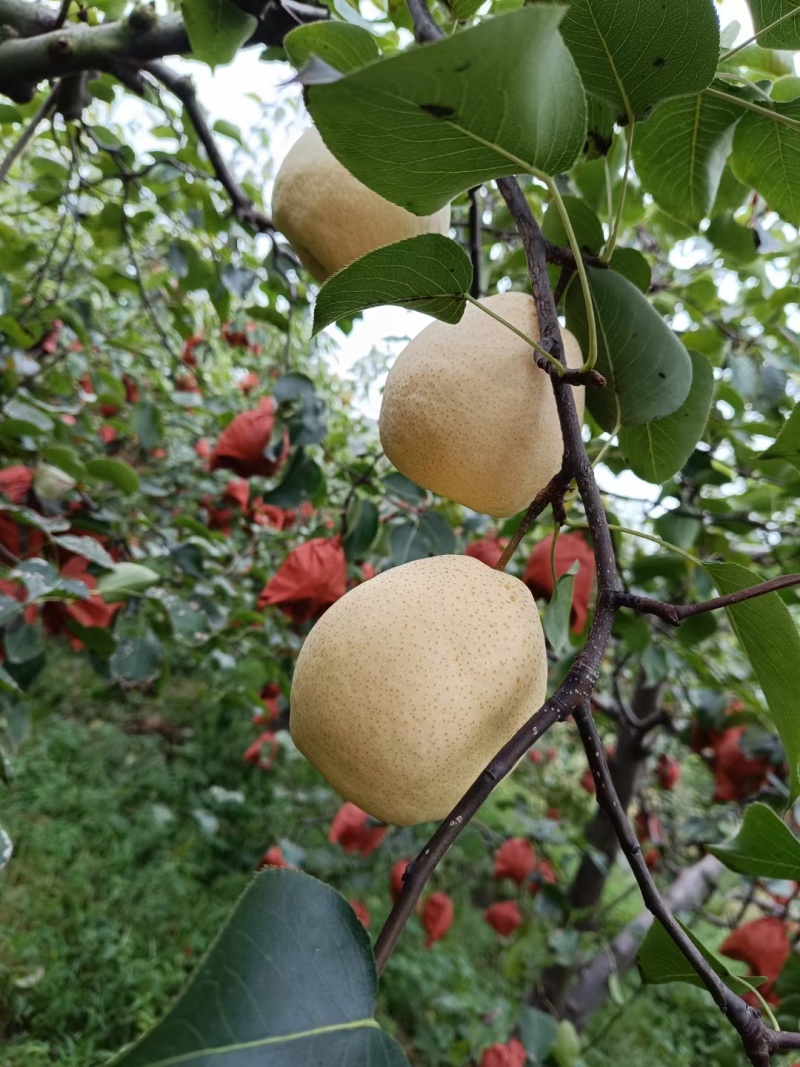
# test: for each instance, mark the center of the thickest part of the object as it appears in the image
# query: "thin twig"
(553, 493)
(183, 88)
(676, 613)
(21, 144)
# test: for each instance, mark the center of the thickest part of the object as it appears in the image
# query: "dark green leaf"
(297, 949)
(238, 280)
(764, 847)
(437, 534)
(658, 449)
(661, 961)
(302, 480)
(66, 459)
(397, 125)
(362, 526)
(216, 29)
(23, 643)
(637, 54)
(557, 613)
(406, 543)
(585, 223)
(768, 634)
(680, 154)
(43, 580)
(88, 547)
(648, 370)
(341, 45)
(148, 425)
(115, 472)
(428, 273)
(398, 485)
(137, 657)
(292, 386)
(538, 1032)
(633, 266)
(190, 559)
(738, 244)
(765, 12)
(766, 156)
(787, 443)
(33, 418)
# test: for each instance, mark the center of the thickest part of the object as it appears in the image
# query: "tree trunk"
(590, 879)
(687, 893)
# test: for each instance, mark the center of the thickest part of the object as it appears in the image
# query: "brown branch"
(674, 614)
(475, 241)
(26, 18)
(183, 88)
(553, 493)
(755, 1036)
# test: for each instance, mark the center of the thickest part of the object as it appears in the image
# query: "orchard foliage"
(186, 485)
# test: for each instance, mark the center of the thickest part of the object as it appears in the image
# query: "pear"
(467, 413)
(408, 686)
(330, 218)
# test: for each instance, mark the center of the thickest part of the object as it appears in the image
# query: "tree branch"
(674, 614)
(475, 241)
(183, 88)
(553, 493)
(755, 1036)
(25, 62)
(16, 150)
(26, 18)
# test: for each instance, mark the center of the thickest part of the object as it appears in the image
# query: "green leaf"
(24, 643)
(340, 44)
(43, 580)
(680, 154)
(362, 526)
(538, 1032)
(765, 12)
(648, 370)
(768, 634)
(136, 659)
(148, 425)
(35, 420)
(658, 449)
(398, 485)
(66, 459)
(557, 612)
(661, 961)
(302, 480)
(764, 847)
(633, 266)
(114, 471)
(406, 543)
(126, 580)
(737, 243)
(588, 228)
(290, 980)
(216, 29)
(437, 534)
(292, 386)
(637, 53)
(787, 443)
(398, 125)
(428, 273)
(88, 547)
(766, 156)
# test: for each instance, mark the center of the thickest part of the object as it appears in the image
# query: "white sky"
(224, 94)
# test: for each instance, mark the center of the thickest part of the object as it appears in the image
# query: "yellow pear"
(330, 218)
(407, 687)
(467, 413)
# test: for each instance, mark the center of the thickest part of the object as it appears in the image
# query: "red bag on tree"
(241, 446)
(311, 578)
(360, 908)
(515, 859)
(237, 491)
(737, 774)
(488, 550)
(539, 578)
(764, 946)
(437, 917)
(396, 878)
(504, 917)
(350, 829)
(273, 857)
(511, 1055)
(15, 482)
